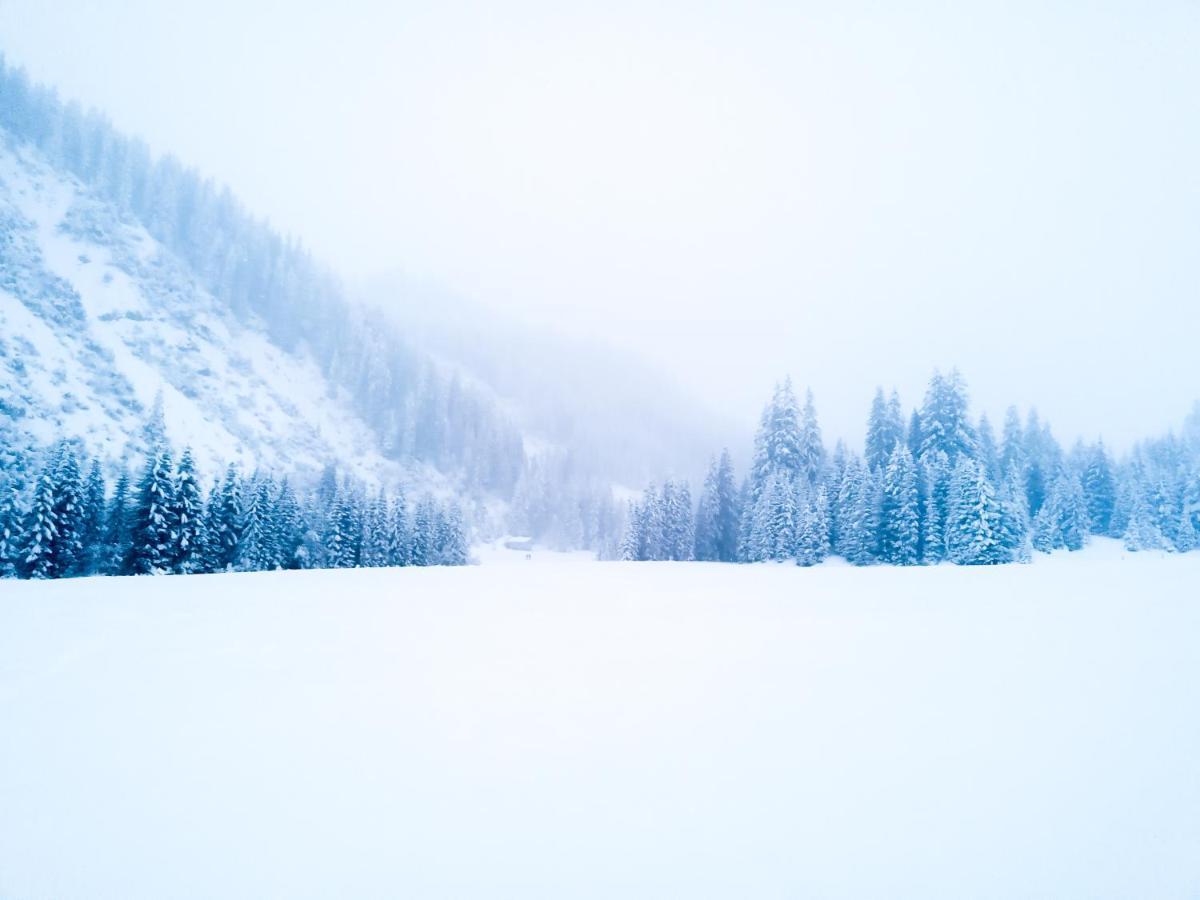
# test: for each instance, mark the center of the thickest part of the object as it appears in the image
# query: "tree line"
(61, 519)
(935, 486)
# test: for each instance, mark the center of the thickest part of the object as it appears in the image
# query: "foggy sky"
(842, 192)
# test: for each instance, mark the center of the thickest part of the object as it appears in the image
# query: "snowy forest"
(930, 488)
(65, 520)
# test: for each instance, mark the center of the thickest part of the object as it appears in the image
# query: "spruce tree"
(225, 521)
(399, 536)
(187, 514)
(12, 520)
(812, 542)
(812, 448)
(974, 527)
(900, 527)
(94, 520)
(152, 533)
(41, 530)
(118, 525)
(937, 478)
(67, 551)
(1099, 489)
(290, 528)
(707, 518)
(945, 427)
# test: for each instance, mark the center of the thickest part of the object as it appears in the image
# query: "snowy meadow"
(553, 727)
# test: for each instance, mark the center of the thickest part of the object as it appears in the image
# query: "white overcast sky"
(852, 193)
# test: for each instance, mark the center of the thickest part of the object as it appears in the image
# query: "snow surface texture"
(558, 728)
(96, 317)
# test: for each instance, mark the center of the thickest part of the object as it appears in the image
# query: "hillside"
(123, 277)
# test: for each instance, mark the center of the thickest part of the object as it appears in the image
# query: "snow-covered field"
(559, 728)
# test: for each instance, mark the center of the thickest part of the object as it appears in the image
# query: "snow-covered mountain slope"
(97, 317)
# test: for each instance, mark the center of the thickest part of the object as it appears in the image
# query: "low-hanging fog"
(733, 192)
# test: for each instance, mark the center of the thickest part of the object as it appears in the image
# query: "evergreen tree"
(118, 529)
(67, 552)
(225, 521)
(1014, 518)
(345, 534)
(989, 453)
(452, 538)
(375, 533)
(937, 508)
(1099, 490)
(812, 448)
(974, 528)
(187, 513)
(92, 536)
(152, 546)
(900, 527)
(945, 427)
(257, 550)
(399, 537)
(41, 530)
(424, 523)
(290, 529)
(858, 527)
(885, 428)
(12, 516)
(1141, 532)
(1012, 444)
(812, 542)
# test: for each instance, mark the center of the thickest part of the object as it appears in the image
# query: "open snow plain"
(557, 728)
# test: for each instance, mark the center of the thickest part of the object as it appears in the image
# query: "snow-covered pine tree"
(290, 529)
(1074, 525)
(1186, 539)
(859, 516)
(885, 428)
(257, 548)
(1012, 445)
(779, 540)
(707, 512)
(974, 528)
(12, 519)
(989, 453)
(812, 542)
(152, 532)
(424, 523)
(812, 447)
(41, 530)
(118, 523)
(343, 542)
(1141, 531)
(188, 515)
(375, 532)
(1099, 490)
(94, 500)
(399, 548)
(224, 522)
(67, 551)
(936, 474)
(677, 507)
(633, 542)
(452, 537)
(945, 427)
(1014, 517)
(900, 526)
(914, 436)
